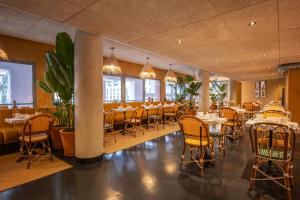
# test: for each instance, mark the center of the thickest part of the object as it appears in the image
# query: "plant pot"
(56, 138)
(68, 141)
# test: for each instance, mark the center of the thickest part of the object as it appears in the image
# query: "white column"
(88, 97)
(204, 91)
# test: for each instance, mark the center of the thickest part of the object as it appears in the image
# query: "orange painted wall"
(293, 93)
(21, 50)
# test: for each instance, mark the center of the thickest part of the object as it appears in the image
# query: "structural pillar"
(204, 91)
(88, 97)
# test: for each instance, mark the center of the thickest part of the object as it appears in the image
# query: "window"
(111, 88)
(16, 84)
(152, 89)
(134, 89)
(170, 91)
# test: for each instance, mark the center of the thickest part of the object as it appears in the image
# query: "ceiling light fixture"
(179, 41)
(147, 71)
(3, 54)
(170, 76)
(252, 23)
(112, 66)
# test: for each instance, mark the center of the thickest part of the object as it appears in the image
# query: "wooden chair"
(250, 109)
(170, 114)
(273, 113)
(156, 117)
(36, 130)
(109, 125)
(233, 122)
(273, 144)
(197, 139)
(136, 120)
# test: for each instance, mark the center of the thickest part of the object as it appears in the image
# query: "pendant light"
(147, 71)
(112, 66)
(170, 76)
(3, 54)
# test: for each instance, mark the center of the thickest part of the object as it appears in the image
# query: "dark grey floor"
(150, 171)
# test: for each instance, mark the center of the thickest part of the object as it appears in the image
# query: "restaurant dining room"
(149, 99)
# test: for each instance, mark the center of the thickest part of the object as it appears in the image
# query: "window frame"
(122, 88)
(160, 89)
(132, 77)
(34, 80)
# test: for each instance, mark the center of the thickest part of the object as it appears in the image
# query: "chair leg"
(291, 173)
(287, 181)
(253, 174)
(29, 159)
(114, 134)
(49, 150)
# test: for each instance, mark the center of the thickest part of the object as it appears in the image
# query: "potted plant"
(59, 79)
(218, 92)
(60, 123)
(189, 88)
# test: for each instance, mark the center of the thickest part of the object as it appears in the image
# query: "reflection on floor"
(150, 171)
(129, 140)
(13, 174)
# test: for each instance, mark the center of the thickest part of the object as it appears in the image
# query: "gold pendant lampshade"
(170, 76)
(147, 71)
(3, 54)
(112, 66)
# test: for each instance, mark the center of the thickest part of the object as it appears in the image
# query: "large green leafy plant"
(59, 76)
(218, 92)
(189, 88)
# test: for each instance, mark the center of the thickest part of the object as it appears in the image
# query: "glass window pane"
(134, 89)
(152, 89)
(170, 91)
(16, 84)
(111, 88)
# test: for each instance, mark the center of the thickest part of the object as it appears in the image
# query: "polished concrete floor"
(150, 171)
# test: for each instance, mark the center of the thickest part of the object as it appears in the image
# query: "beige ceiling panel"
(58, 10)
(14, 20)
(45, 30)
(91, 22)
(183, 12)
(289, 14)
(223, 6)
(209, 31)
(264, 49)
(289, 45)
(82, 3)
(265, 15)
(134, 14)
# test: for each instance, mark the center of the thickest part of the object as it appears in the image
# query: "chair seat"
(10, 135)
(35, 138)
(196, 142)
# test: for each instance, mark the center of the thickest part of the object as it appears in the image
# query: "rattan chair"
(197, 139)
(109, 125)
(136, 120)
(273, 113)
(217, 132)
(250, 109)
(273, 144)
(233, 122)
(36, 130)
(157, 117)
(170, 114)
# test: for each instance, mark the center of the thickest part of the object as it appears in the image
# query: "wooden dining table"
(124, 111)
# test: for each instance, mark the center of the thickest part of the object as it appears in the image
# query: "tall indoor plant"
(218, 92)
(59, 79)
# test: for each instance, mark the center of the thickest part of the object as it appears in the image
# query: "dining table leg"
(147, 123)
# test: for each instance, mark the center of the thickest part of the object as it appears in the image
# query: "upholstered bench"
(9, 139)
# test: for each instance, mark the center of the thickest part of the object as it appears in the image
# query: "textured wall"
(273, 91)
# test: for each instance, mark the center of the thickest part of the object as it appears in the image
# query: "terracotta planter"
(55, 138)
(68, 141)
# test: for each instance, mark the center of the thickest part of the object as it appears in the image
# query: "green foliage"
(189, 87)
(59, 75)
(218, 92)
